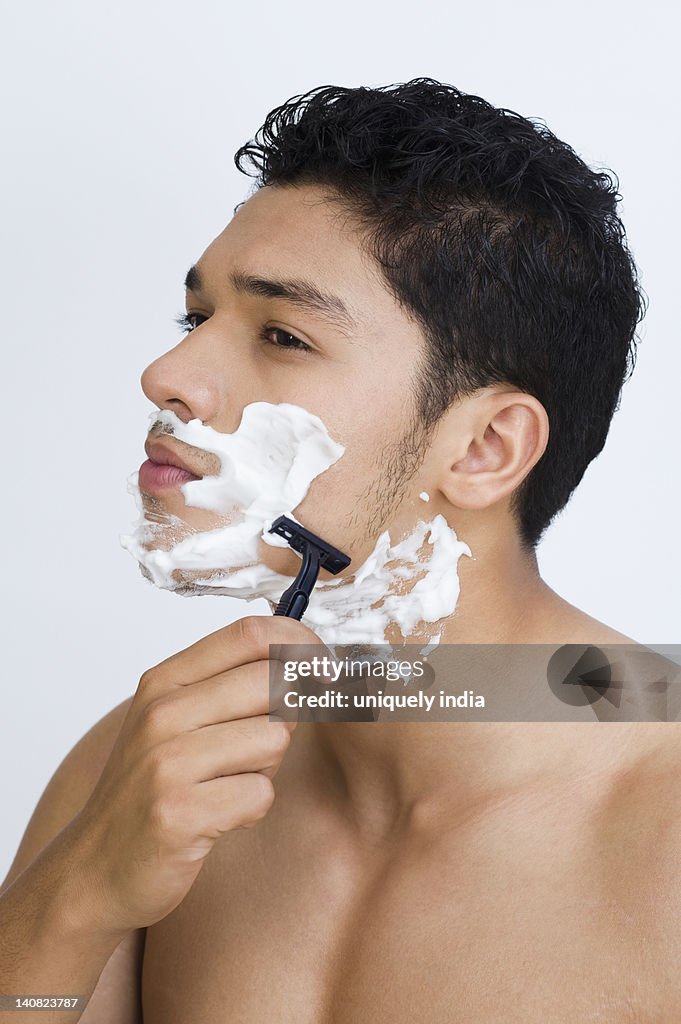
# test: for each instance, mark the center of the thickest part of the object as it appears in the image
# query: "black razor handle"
(295, 598)
(317, 554)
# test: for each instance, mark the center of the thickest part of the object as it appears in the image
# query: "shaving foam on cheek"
(266, 468)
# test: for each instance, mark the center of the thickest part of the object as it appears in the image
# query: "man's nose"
(181, 381)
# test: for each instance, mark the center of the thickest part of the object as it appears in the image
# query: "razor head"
(301, 540)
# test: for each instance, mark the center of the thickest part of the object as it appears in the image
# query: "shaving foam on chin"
(266, 468)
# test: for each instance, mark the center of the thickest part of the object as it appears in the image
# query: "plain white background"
(119, 129)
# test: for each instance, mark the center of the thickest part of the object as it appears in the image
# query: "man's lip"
(162, 453)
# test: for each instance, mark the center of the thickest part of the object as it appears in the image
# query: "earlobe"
(507, 435)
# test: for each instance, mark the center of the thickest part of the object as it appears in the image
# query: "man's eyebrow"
(299, 292)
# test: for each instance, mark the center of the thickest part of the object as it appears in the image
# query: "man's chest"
(448, 935)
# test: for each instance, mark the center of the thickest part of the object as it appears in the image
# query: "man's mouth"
(165, 467)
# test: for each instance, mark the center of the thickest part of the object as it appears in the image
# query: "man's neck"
(381, 772)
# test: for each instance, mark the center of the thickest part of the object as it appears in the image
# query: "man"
(480, 332)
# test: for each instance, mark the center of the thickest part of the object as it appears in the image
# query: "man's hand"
(194, 758)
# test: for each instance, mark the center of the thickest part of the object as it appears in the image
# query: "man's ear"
(497, 437)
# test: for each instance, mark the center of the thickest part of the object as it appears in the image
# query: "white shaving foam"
(266, 468)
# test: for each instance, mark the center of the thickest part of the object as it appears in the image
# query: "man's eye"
(287, 341)
(188, 323)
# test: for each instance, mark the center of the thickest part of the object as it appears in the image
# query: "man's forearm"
(50, 942)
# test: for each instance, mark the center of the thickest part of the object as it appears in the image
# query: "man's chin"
(172, 511)
(216, 582)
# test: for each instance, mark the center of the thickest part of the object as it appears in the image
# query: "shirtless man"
(192, 860)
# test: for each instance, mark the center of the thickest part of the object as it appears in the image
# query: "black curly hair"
(497, 237)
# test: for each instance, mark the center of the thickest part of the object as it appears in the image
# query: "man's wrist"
(74, 907)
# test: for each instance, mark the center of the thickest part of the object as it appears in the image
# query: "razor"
(317, 555)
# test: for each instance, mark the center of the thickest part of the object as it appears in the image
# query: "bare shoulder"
(117, 996)
(69, 788)
(564, 623)
(586, 629)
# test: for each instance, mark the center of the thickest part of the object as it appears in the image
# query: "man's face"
(355, 374)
